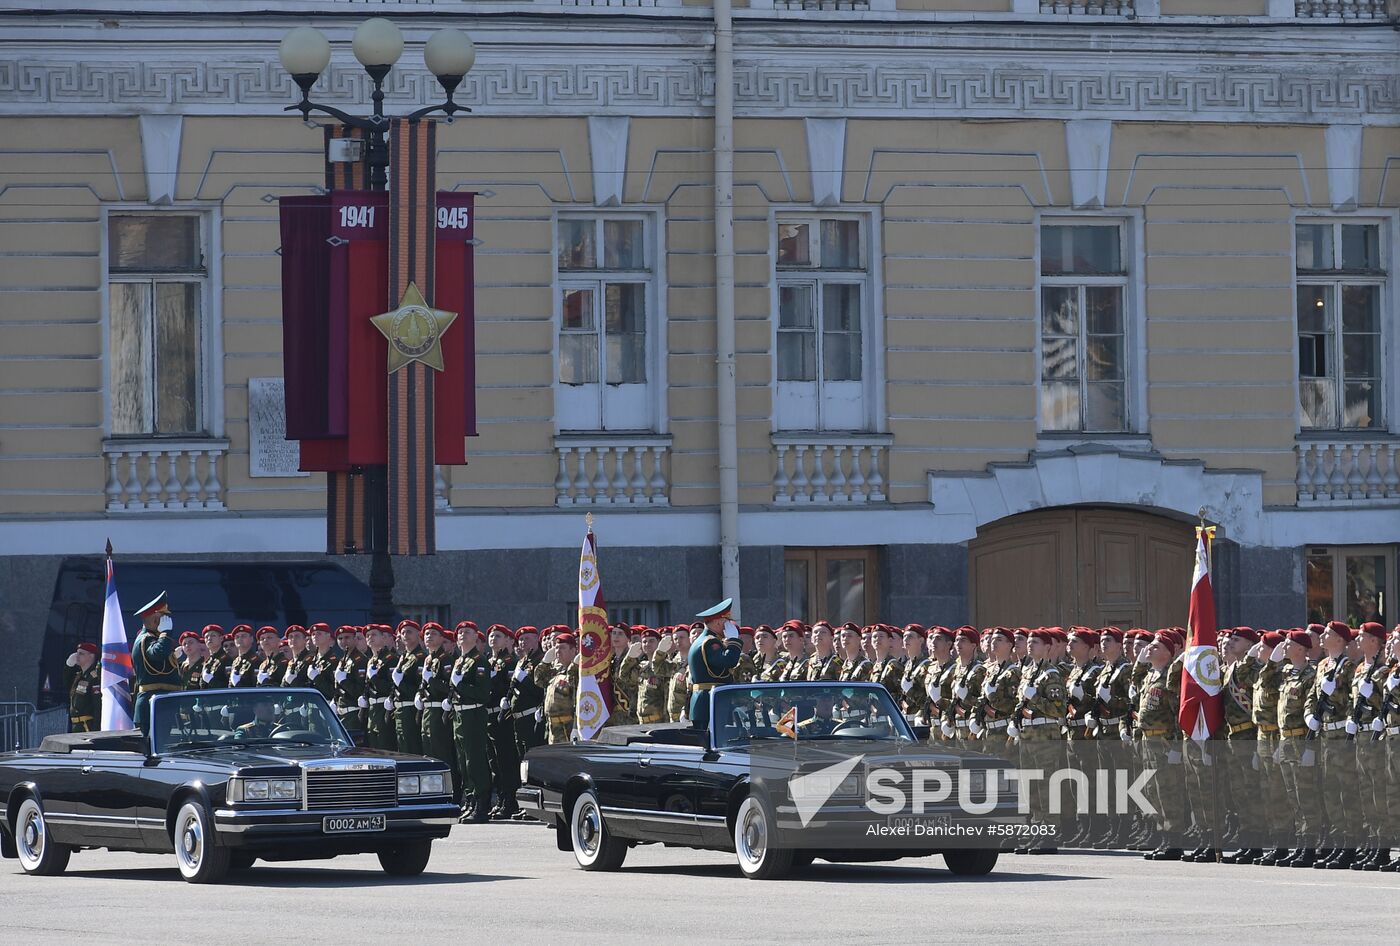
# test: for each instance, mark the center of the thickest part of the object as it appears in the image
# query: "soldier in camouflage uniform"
(624, 677)
(1001, 684)
(1389, 719)
(652, 672)
(558, 677)
(678, 687)
(1297, 754)
(794, 642)
(1039, 714)
(1082, 752)
(913, 697)
(966, 683)
(855, 666)
(824, 664)
(1327, 713)
(1159, 735)
(938, 678)
(1268, 659)
(1366, 728)
(1242, 772)
(746, 670)
(765, 650)
(886, 667)
(379, 687)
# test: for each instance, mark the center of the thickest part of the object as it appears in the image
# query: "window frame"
(210, 389)
(1334, 279)
(816, 558)
(1129, 225)
(596, 279)
(869, 278)
(1339, 554)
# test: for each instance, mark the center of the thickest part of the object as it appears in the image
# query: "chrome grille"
(338, 788)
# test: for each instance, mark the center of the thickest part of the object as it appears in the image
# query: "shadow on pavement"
(823, 872)
(294, 877)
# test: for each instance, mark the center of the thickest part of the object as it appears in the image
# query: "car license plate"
(920, 825)
(352, 825)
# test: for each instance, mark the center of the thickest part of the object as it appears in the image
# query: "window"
(631, 613)
(1340, 284)
(823, 284)
(423, 613)
(837, 585)
(1083, 350)
(606, 293)
(1351, 584)
(156, 287)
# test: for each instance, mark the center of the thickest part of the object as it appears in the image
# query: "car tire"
(594, 846)
(970, 863)
(39, 854)
(409, 859)
(199, 856)
(754, 828)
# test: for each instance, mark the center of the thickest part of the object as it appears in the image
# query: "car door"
(58, 776)
(666, 788)
(108, 786)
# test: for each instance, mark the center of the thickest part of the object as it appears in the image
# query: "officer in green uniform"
(271, 664)
(822, 722)
(1297, 755)
(243, 669)
(190, 653)
(470, 680)
(434, 695)
(712, 658)
(407, 726)
(261, 726)
(153, 665)
(348, 677)
(379, 687)
(82, 677)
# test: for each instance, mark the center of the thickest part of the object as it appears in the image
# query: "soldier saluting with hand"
(153, 664)
(83, 679)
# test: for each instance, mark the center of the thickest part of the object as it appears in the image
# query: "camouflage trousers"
(1372, 780)
(1390, 833)
(1242, 777)
(1297, 760)
(1273, 799)
(560, 727)
(1340, 802)
(1165, 790)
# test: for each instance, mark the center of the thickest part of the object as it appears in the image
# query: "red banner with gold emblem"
(595, 645)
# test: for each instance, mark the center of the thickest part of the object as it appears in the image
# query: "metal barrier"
(17, 726)
(50, 722)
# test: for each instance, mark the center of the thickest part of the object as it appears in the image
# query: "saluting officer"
(153, 665)
(83, 679)
(653, 672)
(712, 658)
(624, 677)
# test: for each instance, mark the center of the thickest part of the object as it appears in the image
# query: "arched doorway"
(1083, 565)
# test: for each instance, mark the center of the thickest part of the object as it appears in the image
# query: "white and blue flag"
(116, 661)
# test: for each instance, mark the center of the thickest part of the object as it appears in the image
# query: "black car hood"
(237, 756)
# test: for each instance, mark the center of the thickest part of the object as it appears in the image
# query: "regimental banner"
(594, 645)
(1202, 710)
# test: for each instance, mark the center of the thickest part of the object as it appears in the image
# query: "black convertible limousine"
(224, 777)
(842, 790)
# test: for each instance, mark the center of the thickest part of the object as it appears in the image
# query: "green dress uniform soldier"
(1242, 773)
(189, 651)
(500, 733)
(966, 684)
(1036, 720)
(1001, 684)
(243, 668)
(213, 669)
(408, 727)
(261, 726)
(1159, 735)
(1365, 725)
(153, 665)
(1296, 753)
(379, 687)
(525, 699)
(653, 675)
(433, 699)
(271, 664)
(82, 677)
(298, 658)
(320, 671)
(558, 674)
(470, 679)
(712, 658)
(1327, 714)
(746, 670)
(348, 679)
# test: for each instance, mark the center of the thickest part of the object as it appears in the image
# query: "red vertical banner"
(360, 291)
(454, 394)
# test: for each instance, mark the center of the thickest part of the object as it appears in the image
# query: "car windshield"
(816, 710)
(183, 721)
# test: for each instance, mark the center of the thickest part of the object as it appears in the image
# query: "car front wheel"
(970, 863)
(407, 860)
(201, 859)
(39, 854)
(758, 858)
(594, 847)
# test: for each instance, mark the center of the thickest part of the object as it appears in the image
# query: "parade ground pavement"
(507, 883)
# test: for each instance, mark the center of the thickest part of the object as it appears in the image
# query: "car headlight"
(434, 783)
(285, 788)
(264, 789)
(408, 785)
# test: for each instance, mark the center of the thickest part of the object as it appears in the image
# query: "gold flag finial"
(589, 519)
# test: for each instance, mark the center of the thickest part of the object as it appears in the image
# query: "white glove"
(906, 684)
(1309, 757)
(1351, 727)
(262, 677)
(1125, 735)
(418, 703)
(1105, 694)
(427, 674)
(505, 703)
(1029, 691)
(179, 653)
(551, 656)
(166, 625)
(1313, 723)
(234, 677)
(1257, 650)
(1173, 757)
(1329, 686)
(1276, 655)
(446, 706)
(539, 713)
(313, 672)
(935, 692)
(1377, 725)
(369, 673)
(340, 676)
(989, 688)
(521, 672)
(456, 678)
(1012, 730)
(1366, 688)
(1132, 692)
(634, 650)
(1142, 656)
(72, 660)
(389, 703)
(974, 727)
(1392, 681)
(666, 645)
(1077, 692)
(397, 675)
(286, 677)
(947, 730)
(207, 675)
(1090, 722)
(731, 631)
(960, 692)
(362, 703)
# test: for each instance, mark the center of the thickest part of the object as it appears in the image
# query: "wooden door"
(1095, 567)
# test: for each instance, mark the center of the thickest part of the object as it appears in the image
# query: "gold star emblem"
(414, 331)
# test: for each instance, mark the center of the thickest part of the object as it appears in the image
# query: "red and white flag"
(594, 644)
(1202, 707)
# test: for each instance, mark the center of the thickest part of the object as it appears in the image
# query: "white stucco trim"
(160, 152)
(1343, 145)
(607, 145)
(1088, 142)
(826, 158)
